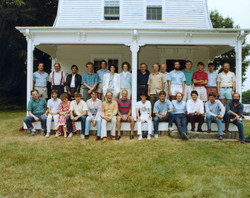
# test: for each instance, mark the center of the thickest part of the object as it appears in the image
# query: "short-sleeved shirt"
(188, 76)
(89, 79)
(53, 105)
(142, 79)
(176, 78)
(161, 108)
(156, 81)
(37, 107)
(78, 109)
(40, 79)
(100, 73)
(226, 80)
(238, 109)
(200, 76)
(144, 108)
(212, 79)
(179, 107)
(124, 106)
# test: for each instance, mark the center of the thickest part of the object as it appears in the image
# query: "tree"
(246, 97)
(219, 22)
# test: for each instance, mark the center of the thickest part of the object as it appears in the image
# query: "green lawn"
(54, 167)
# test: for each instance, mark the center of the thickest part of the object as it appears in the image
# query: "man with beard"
(176, 81)
(234, 111)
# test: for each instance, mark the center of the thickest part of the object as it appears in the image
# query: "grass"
(54, 167)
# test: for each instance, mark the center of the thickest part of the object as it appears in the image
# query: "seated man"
(234, 111)
(195, 111)
(124, 114)
(53, 111)
(78, 111)
(163, 110)
(145, 109)
(215, 112)
(109, 111)
(36, 110)
(94, 114)
(180, 118)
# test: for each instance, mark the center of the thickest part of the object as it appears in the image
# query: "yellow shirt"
(78, 109)
(156, 81)
(109, 109)
(226, 80)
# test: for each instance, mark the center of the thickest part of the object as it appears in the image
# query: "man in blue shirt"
(234, 112)
(180, 118)
(100, 73)
(163, 110)
(211, 85)
(215, 112)
(36, 110)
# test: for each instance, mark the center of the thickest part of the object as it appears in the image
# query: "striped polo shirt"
(124, 106)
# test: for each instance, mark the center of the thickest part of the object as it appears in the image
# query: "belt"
(210, 87)
(226, 87)
(188, 84)
(142, 85)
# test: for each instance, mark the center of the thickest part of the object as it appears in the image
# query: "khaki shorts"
(100, 88)
(42, 92)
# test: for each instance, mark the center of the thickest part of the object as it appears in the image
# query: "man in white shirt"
(53, 111)
(195, 110)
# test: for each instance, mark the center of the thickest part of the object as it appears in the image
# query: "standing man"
(180, 118)
(200, 80)
(215, 112)
(36, 112)
(100, 74)
(57, 79)
(156, 83)
(165, 73)
(142, 80)
(211, 85)
(226, 84)
(234, 112)
(40, 81)
(124, 114)
(188, 72)
(73, 82)
(109, 111)
(176, 81)
(89, 81)
(94, 115)
(195, 111)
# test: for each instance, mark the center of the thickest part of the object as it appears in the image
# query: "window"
(111, 10)
(154, 9)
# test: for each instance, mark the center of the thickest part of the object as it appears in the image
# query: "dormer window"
(154, 9)
(111, 10)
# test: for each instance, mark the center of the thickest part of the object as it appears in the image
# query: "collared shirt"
(94, 108)
(89, 79)
(37, 107)
(176, 78)
(188, 76)
(195, 106)
(179, 107)
(124, 106)
(238, 109)
(200, 76)
(72, 84)
(100, 73)
(57, 78)
(156, 81)
(226, 80)
(109, 109)
(126, 80)
(78, 109)
(161, 108)
(212, 79)
(166, 83)
(144, 108)
(54, 104)
(40, 79)
(215, 109)
(142, 79)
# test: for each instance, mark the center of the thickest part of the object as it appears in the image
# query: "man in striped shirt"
(124, 114)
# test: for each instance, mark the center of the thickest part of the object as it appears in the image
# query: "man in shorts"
(188, 72)
(211, 85)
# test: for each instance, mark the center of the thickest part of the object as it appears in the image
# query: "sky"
(239, 12)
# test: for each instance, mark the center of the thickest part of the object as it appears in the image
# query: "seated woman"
(61, 125)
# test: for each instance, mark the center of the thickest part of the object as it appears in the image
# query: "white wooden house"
(150, 31)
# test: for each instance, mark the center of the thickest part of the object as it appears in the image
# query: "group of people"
(187, 90)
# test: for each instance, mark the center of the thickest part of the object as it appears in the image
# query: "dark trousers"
(196, 118)
(72, 91)
(141, 89)
(28, 121)
(85, 95)
(59, 88)
(69, 123)
(153, 99)
(181, 122)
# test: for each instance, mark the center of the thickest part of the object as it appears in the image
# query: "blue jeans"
(98, 124)
(169, 118)
(211, 119)
(28, 121)
(239, 124)
(69, 123)
(181, 122)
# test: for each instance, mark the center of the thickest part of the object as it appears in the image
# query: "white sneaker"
(82, 136)
(140, 137)
(70, 135)
(149, 137)
(57, 134)
(47, 135)
(170, 129)
(156, 135)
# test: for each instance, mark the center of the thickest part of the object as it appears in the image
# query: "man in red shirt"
(200, 79)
